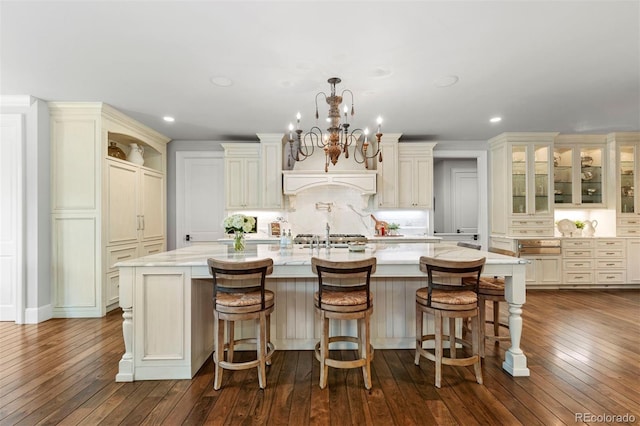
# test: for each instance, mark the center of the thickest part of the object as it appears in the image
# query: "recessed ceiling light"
(168, 119)
(495, 119)
(446, 81)
(221, 81)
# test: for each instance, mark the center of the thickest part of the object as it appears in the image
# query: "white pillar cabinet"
(104, 209)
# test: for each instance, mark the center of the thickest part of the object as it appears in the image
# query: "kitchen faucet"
(327, 241)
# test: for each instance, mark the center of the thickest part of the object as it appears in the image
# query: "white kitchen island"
(168, 313)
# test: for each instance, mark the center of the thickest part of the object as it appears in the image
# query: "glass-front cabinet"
(627, 183)
(530, 179)
(578, 171)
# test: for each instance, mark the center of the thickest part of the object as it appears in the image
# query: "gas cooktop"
(333, 238)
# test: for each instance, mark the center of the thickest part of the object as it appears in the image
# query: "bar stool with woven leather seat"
(239, 294)
(344, 294)
(492, 290)
(449, 300)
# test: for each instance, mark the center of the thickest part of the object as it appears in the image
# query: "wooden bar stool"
(239, 294)
(447, 300)
(344, 294)
(492, 290)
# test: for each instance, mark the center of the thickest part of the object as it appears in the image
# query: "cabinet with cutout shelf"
(104, 209)
(627, 176)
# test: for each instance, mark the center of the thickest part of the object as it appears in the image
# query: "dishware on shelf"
(566, 227)
(591, 191)
(586, 161)
(115, 152)
(587, 175)
(136, 154)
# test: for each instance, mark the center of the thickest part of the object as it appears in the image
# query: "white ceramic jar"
(136, 154)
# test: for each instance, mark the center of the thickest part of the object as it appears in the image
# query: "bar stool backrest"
(353, 275)
(458, 272)
(469, 245)
(240, 277)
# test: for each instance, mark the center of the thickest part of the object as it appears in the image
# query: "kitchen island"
(166, 300)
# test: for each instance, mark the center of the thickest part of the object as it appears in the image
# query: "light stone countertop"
(386, 254)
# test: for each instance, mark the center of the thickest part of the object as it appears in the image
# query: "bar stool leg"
(452, 338)
(231, 328)
(476, 342)
(438, 348)
(266, 342)
(419, 320)
(260, 345)
(324, 351)
(218, 326)
(482, 308)
(366, 369)
(496, 318)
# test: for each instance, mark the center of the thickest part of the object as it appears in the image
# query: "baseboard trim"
(39, 314)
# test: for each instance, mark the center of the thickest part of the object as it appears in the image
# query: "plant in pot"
(393, 228)
(580, 227)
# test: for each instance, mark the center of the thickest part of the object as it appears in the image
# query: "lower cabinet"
(589, 262)
(543, 271)
(633, 265)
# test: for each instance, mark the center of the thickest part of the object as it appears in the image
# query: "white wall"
(442, 190)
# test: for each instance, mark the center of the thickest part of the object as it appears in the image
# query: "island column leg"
(126, 367)
(515, 362)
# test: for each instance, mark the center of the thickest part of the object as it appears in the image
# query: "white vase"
(135, 154)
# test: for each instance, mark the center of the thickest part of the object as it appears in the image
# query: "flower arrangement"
(579, 224)
(239, 223)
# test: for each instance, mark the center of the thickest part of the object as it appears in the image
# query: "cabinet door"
(423, 178)
(633, 266)
(121, 200)
(251, 184)
(388, 176)
(405, 182)
(234, 183)
(152, 203)
(628, 171)
(543, 270)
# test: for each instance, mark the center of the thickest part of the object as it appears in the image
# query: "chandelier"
(337, 139)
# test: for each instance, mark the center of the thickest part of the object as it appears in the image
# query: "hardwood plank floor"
(583, 349)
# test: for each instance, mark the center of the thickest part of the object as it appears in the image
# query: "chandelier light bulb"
(298, 117)
(366, 134)
(379, 121)
(290, 130)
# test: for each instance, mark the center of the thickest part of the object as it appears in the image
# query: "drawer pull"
(123, 257)
(579, 277)
(609, 243)
(578, 253)
(154, 251)
(609, 253)
(578, 264)
(610, 264)
(610, 277)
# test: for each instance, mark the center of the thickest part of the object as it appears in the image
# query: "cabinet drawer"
(576, 252)
(531, 232)
(611, 277)
(610, 264)
(610, 243)
(113, 288)
(579, 277)
(120, 254)
(152, 247)
(628, 231)
(610, 253)
(629, 221)
(579, 265)
(532, 223)
(578, 243)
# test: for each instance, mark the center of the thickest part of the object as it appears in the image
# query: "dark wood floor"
(583, 350)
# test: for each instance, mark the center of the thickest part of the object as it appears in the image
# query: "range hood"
(296, 181)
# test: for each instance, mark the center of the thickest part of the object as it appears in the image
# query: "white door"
(10, 217)
(199, 197)
(464, 189)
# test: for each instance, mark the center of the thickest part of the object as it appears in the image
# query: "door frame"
(454, 171)
(181, 157)
(17, 121)
(483, 187)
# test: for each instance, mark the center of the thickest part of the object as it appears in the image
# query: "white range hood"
(294, 182)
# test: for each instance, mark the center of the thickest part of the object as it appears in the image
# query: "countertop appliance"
(539, 247)
(333, 238)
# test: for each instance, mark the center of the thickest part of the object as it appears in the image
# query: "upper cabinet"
(105, 208)
(627, 152)
(415, 175)
(253, 174)
(387, 177)
(579, 171)
(521, 177)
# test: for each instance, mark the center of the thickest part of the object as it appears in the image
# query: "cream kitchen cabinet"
(242, 176)
(103, 210)
(579, 171)
(520, 176)
(387, 177)
(627, 148)
(271, 170)
(543, 271)
(633, 265)
(594, 262)
(415, 175)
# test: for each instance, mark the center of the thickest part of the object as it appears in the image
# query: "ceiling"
(564, 66)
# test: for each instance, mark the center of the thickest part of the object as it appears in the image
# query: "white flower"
(239, 222)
